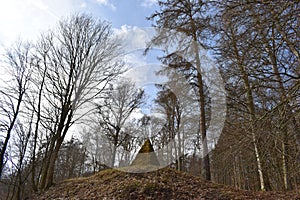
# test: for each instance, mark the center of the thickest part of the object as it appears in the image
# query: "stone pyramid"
(146, 156)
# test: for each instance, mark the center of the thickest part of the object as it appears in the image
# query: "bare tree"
(238, 56)
(115, 110)
(191, 20)
(260, 65)
(35, 103)
(172, 108)
(71, 160)
(20, 159)
(280, 37)
(19, 64)
(77, 61)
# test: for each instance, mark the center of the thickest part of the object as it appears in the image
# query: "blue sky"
(27, 18)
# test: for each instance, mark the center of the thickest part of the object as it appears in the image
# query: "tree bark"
(8, 133)
(37, 123)
(205, 153)
(251, 110)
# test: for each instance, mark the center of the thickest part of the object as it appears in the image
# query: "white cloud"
(142, 68)
(134, 37)
(39, 4)
(148, 3)
(28, 18)
(136, 114)
(107, 3)
(83, 5)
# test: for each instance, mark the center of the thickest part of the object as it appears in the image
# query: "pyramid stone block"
(146, 156)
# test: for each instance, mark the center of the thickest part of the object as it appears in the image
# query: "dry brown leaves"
(162, 184)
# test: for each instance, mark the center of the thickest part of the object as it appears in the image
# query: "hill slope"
(162, 184)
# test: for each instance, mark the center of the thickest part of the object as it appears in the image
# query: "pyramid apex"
(146, 155)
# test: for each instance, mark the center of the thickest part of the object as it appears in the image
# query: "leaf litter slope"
(161, 184)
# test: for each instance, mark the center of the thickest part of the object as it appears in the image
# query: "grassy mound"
(161, 184)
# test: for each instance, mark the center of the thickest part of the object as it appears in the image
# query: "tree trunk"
(46, 164)
(53, 158)
(57, 141)
(33, 182)
(3, 150)
(179, 149)
(206, 163)
(116, 140)
(251, 110)
(113, 155)
(283, 99)
(8, 134)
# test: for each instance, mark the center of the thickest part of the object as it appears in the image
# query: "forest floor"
(161, 184)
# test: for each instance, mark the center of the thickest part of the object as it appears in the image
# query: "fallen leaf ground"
(161, 184)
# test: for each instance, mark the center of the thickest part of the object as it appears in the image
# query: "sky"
(27, 19)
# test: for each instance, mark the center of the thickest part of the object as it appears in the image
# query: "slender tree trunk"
(113, 155)
(284, 167)
(52, 161)
(283, 99)
(179, 150)
(33, 162)
(2, 153)
(115, 147)
(61, 133)
(19, 185)
(251, 110)
(205, 155)
(173, 134)
(46, 164)
(8, 133)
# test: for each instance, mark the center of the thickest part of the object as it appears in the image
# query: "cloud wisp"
(107, 3)
(148, 3)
